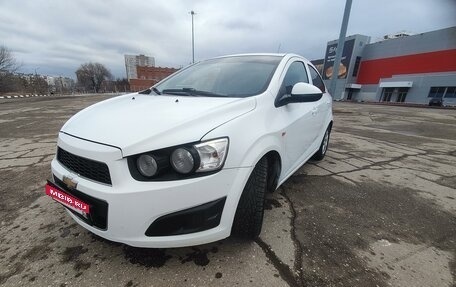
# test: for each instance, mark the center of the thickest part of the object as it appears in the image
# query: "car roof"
(283, 55)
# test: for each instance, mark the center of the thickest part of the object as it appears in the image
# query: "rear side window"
(316, 79)
(296, 73)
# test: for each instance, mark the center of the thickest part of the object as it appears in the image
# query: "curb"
(24, 96)
(393, 104)
(56, 95)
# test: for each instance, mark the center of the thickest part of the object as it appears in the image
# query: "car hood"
(138, 123)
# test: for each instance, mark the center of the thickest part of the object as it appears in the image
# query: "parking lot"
(379, 210)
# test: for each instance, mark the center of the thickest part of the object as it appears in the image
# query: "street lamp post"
(193, 38)
(340, 48)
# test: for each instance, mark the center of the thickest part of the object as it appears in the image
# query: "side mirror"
(301, 93)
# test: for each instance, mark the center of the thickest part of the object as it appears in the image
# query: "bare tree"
(8, 63)
(122, 85)
(92, 75)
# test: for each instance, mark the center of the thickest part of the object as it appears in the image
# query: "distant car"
(436, 102)
(189, 160)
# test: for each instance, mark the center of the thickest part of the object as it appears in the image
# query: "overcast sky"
(57, 36)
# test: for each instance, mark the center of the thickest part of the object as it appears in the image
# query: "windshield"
(238, 76)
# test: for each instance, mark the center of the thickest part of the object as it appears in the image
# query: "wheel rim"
(325, 142)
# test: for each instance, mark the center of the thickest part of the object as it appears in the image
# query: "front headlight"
(182, 161)
(147, 165)
(212, 154)
(179, 162)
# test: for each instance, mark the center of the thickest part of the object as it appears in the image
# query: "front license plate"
(68, 200)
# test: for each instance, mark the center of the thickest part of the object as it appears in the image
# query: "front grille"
(98, 216)
(85, 167)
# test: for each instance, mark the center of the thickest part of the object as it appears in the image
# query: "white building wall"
(132, 61)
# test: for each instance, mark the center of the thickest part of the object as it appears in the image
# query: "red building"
(149, 76)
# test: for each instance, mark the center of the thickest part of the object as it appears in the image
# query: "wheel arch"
(274, 169)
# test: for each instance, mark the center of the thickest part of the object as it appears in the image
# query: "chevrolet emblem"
(69, 182)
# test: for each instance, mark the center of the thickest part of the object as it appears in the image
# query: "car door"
(322, 107)
(298, 120)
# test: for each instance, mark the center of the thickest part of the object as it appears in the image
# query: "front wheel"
(249, 213)
(320, 154)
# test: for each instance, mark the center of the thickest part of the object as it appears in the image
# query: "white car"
(189, 161)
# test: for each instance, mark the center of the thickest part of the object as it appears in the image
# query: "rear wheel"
(320, 154)
(249, 213)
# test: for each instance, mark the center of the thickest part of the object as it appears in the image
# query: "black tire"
(249, 213)
(320, 154)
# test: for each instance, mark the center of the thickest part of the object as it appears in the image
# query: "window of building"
(387, 93)
(356, 67)
(316, 79)
(437, 92)
(450, 92)
(402, 93)
(349, 94)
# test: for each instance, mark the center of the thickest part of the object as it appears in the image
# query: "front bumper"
(132, 206)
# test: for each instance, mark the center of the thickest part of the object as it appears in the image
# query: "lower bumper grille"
(196, 219)
(98, 216)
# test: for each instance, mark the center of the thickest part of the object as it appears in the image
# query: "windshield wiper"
(145, 92)
(148, 91)
(156, 90)
(190, 92)
(207, 94)
(179, 92)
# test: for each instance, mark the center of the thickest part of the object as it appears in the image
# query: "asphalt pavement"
(379, 210)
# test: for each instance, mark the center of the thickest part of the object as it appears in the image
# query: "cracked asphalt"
(379, 210)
